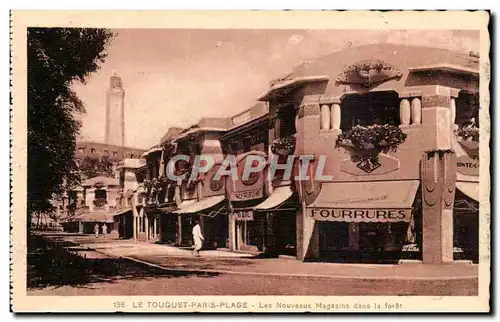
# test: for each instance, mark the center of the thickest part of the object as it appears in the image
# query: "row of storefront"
(393, 130)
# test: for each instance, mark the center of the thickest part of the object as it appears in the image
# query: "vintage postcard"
(259, 161)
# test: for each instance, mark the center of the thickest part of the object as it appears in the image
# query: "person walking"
(96, 230)
(198, 238)
(104, 230)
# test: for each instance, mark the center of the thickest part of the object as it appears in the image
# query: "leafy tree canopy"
(94, 166)
(57, 57)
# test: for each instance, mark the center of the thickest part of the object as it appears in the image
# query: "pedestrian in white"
(96, 230)
(198, 238)
(104, 230)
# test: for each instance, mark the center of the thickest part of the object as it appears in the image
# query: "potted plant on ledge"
(365, 143)
(284, 146)
(468, 135)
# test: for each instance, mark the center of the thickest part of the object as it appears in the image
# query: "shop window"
(467, 109)
(100, 194)
(72, 197)
(370, 109)
(286, 121)
(140, 177)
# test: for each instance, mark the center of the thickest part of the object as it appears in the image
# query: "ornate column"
(438, 176)
(336, 117)
(438, 173)
(325, 117)
(311, 124)
(404, 112)
(416, 111)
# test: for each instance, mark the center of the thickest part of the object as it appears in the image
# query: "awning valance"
(95, 217)
(277, 197)
(376, 194)
(470, 189)
(168, 208)
(194, 206)
(378, 201)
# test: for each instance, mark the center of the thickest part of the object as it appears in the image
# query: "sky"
(174, 77)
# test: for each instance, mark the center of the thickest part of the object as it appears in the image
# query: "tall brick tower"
(115, 119)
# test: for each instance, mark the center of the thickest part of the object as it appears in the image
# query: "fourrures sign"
(360, 215)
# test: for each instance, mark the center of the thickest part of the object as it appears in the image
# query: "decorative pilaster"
(436, 122)
(438, 175)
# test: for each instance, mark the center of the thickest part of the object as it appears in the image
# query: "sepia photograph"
(223, 163)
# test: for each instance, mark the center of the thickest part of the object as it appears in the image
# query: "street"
(57, 267)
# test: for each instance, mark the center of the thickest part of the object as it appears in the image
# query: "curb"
(216, 271)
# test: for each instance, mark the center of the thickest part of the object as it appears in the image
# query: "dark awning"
(191, 207)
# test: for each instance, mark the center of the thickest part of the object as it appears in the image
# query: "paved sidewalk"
(173, 258)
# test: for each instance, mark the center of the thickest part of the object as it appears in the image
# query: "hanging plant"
(99, 202)
(284, 146)
(366, 143)
(440, 153)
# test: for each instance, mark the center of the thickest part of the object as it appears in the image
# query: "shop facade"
(246, 139)
(387, 120)
(202, 199)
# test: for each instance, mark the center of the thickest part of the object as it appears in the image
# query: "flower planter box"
(468, 144)
(284, 152)
(366, 143)
(283, 146)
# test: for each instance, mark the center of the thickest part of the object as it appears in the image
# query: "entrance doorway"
(465, 228)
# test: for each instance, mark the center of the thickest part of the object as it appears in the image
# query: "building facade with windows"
(398, 129)
(94, 204)
(76, 205)
(390, 136)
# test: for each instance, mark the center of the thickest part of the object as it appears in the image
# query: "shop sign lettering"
(249, 194)
(468, 166)
(360, 215)
(241, 215)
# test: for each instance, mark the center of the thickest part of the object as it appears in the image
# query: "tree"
(57, 57)
(93, 167)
